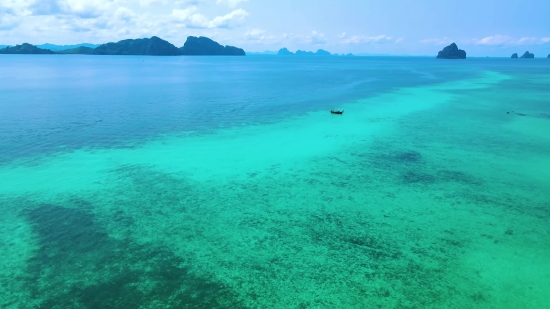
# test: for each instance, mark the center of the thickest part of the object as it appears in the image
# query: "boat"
(337, 112)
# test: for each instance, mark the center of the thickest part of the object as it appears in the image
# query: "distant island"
(154, 46)
(528, 55)
(548, 56)
(264, 53)
(451, 52)
(514, 55)
(54, 47)
(320, 52)
(25, 49)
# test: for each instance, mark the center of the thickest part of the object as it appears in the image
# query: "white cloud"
(255, 34)
(183, 15)
(494, 40)
(194, 20)
(85, 8)
(378, 39)
(439, 41)
(262, 37)
(16, 7)
(8, 21)
(80, 8)
(316, 38)
(343, 35)
(230, 3)
(507, 40)
(99, 21)
(228, 20)
(180, 3)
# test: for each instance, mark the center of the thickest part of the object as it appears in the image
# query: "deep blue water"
(58, 103)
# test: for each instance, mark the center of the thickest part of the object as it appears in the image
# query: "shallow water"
(145, 182)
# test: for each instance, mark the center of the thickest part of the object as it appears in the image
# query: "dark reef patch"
(414, 275)
(405, 157)
(410, 156)
(417, 177)
(79, 266)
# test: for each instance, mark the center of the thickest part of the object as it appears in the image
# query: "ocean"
(225, 182)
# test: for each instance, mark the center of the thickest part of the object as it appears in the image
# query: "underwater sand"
(424, 194)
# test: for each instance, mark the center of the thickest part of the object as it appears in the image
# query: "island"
(203, 46)
(154, 46)
(25, 49)
(82, 50)
(285, 52)
(319, 52)
(548, 56)
(451, 52)
(515, 55)
(55, 48)
(528, 55)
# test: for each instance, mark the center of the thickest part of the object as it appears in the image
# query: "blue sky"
(421, 27)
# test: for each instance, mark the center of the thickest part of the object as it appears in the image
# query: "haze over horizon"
(482, 28)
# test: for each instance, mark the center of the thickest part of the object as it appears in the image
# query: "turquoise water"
(145, 182)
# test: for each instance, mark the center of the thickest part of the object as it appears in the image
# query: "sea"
(225, 182)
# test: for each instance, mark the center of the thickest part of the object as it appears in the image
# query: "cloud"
(194, 20)
(228, 20)
(230, 3)
(183, 15)
(379, 39)
(85, 8)
(496, 40)
(8, 21)
(181, 3)
(99, 21)
(80, 8)
(316, 38)
(255, 34)
(262, 37)
(439, 41)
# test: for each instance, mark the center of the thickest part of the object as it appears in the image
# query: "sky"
(404, 27)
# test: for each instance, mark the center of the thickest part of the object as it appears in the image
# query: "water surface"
(150, 182)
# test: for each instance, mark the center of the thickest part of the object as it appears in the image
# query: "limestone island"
(153, 46)
(319, 52)
(25, 49)
(515, 55)
(451, 52)
(528, 55)
(203, 46)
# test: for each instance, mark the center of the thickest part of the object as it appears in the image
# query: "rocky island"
(153, 46)
(82, 50)
(55, 48)
(515, 55)
(451, 52)
(25, 49)
(319, 52)
(203, 46)
(285, 52)
(528, 55)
